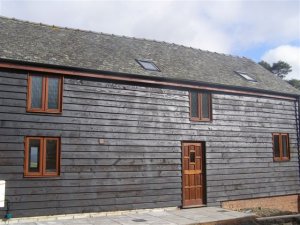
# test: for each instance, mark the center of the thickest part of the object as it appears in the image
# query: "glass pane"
(205, 105)
(276, 146)
(53, 85)
(192, 157)
(284, 146)
(36, 92)
(148, 65)
(51, 148)
(34, 155)
(194, 104)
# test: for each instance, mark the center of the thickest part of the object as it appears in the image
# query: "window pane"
(53, 85)
(284, 146)
(51, 150)
(205, 105)
(34, 155)
(276, 146)
(192, 157)
(194, 104)
(36, 92)
(148, 65)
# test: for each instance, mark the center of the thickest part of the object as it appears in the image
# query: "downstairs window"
(42, 156)
(281, 147)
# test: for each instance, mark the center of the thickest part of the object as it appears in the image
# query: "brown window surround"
(200, 106)
(42, 157)
(281, 146)
(44, 93)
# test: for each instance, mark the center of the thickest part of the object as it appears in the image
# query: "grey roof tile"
(38, 43)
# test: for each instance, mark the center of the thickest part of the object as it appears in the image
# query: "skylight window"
(148, 65)
(246, 76)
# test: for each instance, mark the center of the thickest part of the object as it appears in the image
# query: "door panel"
(193, 174)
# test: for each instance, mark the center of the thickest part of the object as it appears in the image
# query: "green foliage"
(295, 83)
(265, 65)
(280, 68)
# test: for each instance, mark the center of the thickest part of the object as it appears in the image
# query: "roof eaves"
(130, 75)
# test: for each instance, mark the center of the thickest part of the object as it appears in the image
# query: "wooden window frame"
(44, 108)
(200, 118)
(42, 157)
(281, 158)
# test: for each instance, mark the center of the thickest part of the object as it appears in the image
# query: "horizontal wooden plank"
(12, 81)
(12, 88)
(12, 102)
(122, 102)
(12, 95)
(90, 189)
(117, 162)
(56, 182)
(254, 104)
(14, 75)
(117, 92)
(214, 190)
(110, 85)
(253, 99)
(247, 112)
(242, 171)
(95, 202)
(106, 194)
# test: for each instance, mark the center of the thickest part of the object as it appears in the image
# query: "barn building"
(91, 122)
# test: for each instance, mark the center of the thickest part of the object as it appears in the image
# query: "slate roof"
(39, 43)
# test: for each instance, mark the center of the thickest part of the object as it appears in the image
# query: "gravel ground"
(263, 212)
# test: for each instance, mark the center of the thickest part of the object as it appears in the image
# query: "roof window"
(246, 76)
(148, 65)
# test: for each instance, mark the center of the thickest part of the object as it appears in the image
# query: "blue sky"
(257, 29)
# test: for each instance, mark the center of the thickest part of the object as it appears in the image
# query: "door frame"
(204, 188)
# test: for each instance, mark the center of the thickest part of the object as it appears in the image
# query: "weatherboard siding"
(139, 163)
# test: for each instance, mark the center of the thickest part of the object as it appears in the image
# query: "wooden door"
(192, 174)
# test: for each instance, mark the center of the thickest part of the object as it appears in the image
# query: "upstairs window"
(281, 147)
(42, 156)
(200, 106)
(44, 93)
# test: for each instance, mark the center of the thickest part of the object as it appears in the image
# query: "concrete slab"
(204, 215)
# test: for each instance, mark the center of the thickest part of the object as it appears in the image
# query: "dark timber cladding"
(137, 163)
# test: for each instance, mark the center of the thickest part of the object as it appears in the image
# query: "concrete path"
(205, 215)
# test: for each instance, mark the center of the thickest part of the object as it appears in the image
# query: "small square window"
(148, 65)
(44, 93)
(246, 76)
(281, 147)
(42, 156)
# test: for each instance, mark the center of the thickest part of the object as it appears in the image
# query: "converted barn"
(91, 122)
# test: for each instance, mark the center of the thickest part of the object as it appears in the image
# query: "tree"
(295, 83)
(265, 65)
(280, 68)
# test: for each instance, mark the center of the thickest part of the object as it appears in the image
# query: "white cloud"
(224, 26)
(286, 53)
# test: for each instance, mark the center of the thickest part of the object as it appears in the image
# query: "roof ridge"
(122, 36)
